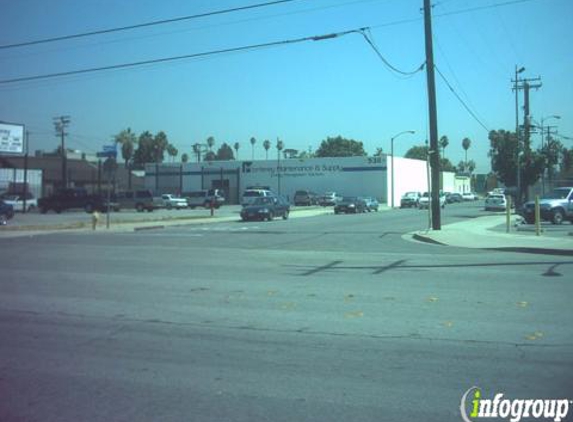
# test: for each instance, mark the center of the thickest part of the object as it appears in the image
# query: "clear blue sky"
(301, 93)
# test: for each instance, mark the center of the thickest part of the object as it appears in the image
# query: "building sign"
(11, 138)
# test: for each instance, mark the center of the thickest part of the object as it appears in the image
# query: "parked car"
(266, 208)
(470, 196)
(203, 198)
(17, 201)
(305, 197)
(329, 199)
(410, 199)
(140, 200)
(6, 212)
(372, 204)
(425, 200)
(250, 195)
(495, 202)
(555, 206)
(74, 198)
(454, 197)
(350, 204)
(172, 201)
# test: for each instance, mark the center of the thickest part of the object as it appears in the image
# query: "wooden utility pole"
(61, 123)
(434, 151)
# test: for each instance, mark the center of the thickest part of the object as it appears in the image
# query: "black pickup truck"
(71, 199)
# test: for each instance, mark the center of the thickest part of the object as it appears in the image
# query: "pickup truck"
(71, 198)
(556, 207)
(172, 201)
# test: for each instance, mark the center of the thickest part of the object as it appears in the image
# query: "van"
(203, 198)
(140, 200)
(305, 197)
(250, 195)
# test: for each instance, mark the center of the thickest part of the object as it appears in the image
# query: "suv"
(203, 198)
(71, 198)
(139, 200)
(305, 197)
(555, 207)
(171, 201)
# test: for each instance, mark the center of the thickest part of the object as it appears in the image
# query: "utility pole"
(524, 84)
(60, 124)
(434, 150)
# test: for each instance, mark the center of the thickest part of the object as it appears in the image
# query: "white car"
(424, 200)
(172, 201)
(495, 202)
(17, 201)
(469, 196)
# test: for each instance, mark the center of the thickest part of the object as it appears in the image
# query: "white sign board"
(11, 138)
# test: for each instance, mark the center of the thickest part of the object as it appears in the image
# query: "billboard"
(11, 138)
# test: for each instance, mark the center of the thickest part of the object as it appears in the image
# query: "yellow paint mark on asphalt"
(354, 314)
(534, 336)
(432, 299)
(448, 324)
(522, 304)
(288, 305)
(272, 292)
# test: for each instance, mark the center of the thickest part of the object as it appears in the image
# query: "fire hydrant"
(95, 219)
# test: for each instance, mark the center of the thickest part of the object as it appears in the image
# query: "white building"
(350, 176)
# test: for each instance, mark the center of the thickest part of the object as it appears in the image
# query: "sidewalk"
(478, 233)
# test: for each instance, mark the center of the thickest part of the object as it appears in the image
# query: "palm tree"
(466, 143)
(184, 157)
(172, 151)
(127, 140)
(197, 151)
(444, 142)
(266, 146)
(210, 142)
(253, 142)
(280, 146)
(236, 146)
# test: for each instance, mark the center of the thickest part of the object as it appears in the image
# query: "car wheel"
(169, 206)
(271, 216)
(557, 216)
(529, 220)
(139, 207)
(285, 215)
(3, 219)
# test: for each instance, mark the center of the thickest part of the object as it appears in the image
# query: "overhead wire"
(144, 24)
(469, 110)
(181, 57)
(368, 36)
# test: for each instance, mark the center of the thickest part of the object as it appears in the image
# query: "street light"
(392, 160)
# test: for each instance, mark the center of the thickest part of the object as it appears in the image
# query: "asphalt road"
(330, 318)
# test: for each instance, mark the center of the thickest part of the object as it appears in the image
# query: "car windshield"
(251, 193)
(349, 199)
(11, 198)
(557, 194)
(410, 195)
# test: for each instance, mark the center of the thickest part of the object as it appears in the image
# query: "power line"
(386, 62)
(143, 25)
(488, 6)
(186, 56)
(460, 99)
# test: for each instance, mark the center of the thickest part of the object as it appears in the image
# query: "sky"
(301, 93)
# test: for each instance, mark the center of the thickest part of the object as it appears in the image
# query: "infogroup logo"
(514, 410)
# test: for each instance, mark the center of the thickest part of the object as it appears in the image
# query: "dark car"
(454, 197)
(305, 197)
(266, 208)
(6, 212)
(350, 204)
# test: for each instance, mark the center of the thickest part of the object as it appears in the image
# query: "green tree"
(503, 152)
(184, 157)
(210, 142)
(127, 139)
(160, 146)
(172, 151)
(266, 146)
(418, 152)
(290, 153)
(210, 156)
(280, 146)
(552, 152)
(567, 160)
(224, 153)
(379, 152)
(446, 165)
(340, 147)
(237, 146)
(145, 152)
(444, 142)
(466, 143)
(253, 142)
